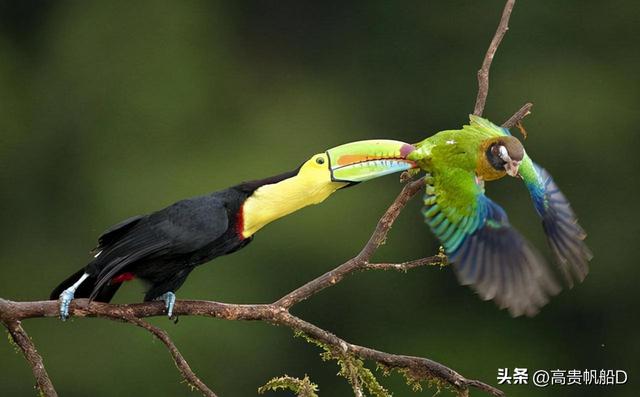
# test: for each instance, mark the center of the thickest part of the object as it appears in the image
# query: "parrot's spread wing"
(564, 234)
(487, 253)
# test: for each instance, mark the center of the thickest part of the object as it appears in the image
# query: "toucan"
(163, 247)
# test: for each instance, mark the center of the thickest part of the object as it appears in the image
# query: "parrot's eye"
(496, 156)
(503, 153)
(319, 160)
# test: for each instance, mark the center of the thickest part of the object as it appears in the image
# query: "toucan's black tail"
(86, 288)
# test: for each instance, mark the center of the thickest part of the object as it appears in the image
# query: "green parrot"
(487, 253)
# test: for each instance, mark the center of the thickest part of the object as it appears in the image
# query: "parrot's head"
(505, 154)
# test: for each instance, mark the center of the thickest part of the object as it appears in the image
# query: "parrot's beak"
(364, 160)
(512, 167)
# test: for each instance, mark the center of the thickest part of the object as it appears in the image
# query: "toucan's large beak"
(364, 160)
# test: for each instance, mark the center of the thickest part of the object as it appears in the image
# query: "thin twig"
(182, 364)
(405, 266)
(361, 260)
(22, 340)
(379, 235)
(483, 73)
(523, 112)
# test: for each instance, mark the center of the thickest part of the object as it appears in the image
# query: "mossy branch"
(302, 387)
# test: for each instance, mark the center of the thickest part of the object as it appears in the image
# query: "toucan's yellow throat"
(320, 176)
(311, 185)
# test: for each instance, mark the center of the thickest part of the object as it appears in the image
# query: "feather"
(560, 224)
(488, 254)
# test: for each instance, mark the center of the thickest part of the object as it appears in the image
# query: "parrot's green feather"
(485, 127)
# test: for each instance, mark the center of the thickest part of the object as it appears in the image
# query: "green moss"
(302, 387)
(352, 368)
(12, 342)
(363, 380)
(444, 261)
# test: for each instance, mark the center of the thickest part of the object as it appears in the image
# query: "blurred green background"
(110, 109)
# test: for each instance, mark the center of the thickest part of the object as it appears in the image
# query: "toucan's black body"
(162, 248)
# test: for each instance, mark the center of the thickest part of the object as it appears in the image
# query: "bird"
(162, 248)
(486, 252)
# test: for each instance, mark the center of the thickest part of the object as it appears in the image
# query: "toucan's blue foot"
(169, 299)
(65, 300)
(67, 296)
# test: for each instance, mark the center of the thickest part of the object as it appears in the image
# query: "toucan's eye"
(319, 160)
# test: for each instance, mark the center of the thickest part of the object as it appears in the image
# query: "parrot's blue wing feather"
(487, 252)
(560, 224)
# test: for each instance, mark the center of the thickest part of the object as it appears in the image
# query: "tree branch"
(182, 364)
(523, 112)
(271, 313)
(360, 262)
(483, 73)
(22, 340)
(406, 266)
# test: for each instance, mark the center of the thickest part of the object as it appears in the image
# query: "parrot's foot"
(408, 175)
(65, 300)
(169, 299)
(442, 255)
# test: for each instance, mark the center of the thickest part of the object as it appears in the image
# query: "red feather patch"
(240, 222)
(121, 278)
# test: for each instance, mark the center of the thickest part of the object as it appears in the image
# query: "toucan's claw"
(67, 296)
(65, 300)
(169, 299)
